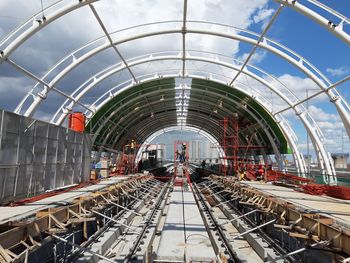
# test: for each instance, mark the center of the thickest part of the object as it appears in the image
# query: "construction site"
(187, 131)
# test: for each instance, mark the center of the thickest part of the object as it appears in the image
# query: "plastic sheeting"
(36, 156)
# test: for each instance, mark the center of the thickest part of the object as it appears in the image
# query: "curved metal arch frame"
(263, 82)
(120, 86)
(300, 168)
(185, 128)
(131, 101)
(96, 80)
(338, 101)
(166, 125)
(144, 127)
(30, 32)
(296, 154)
(154, 57)
(36, 23)
(141, 127)
(334, 28)
(286, 129)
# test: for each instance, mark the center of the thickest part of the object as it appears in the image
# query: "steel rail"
(225, 242)
(138, 241)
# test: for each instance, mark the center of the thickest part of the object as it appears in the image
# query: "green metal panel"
(198, 88)
(254, 105)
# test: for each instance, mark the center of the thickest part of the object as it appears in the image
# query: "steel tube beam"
(253, 229)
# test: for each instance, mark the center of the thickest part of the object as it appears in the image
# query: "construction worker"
(203, 164)
(183, 153)
(132, 146)
(127, 147)
(185, 185)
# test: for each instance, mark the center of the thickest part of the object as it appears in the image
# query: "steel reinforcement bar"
(314, 228)
(18, 239)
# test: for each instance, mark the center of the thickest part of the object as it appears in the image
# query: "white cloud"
(338, 72)
(299, 85)
(263, 16)
(320, 115)
(257, 57)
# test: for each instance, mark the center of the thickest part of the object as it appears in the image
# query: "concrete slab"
(172, 243)
(19, 212)
(336, 208)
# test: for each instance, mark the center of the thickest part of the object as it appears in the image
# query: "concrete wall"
(340, 160)
(36, 156)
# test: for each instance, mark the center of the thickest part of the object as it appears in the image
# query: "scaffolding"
(126, 163)
(235, 153)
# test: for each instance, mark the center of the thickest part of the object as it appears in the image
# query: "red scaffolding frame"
(126, 163)
(231, 147)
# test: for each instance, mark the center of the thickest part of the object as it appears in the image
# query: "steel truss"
(60, 9)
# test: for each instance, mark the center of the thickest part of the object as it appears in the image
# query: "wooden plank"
(13, 236)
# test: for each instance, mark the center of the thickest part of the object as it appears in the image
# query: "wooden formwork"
(313, 227)
(31, 233)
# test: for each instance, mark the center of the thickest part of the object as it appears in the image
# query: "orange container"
(76, 121)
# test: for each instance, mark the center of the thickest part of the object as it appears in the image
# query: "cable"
(42, 10)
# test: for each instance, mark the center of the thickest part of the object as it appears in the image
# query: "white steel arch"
(293, 58)
(94, 81)
(258, 119)
(283, 123)
(185, 128)
(61, 8)
(97, 78)
(19, 36)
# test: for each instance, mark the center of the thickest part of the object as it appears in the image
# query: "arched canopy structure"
(145, 108)
(183, 85)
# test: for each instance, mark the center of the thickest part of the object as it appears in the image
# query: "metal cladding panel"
(50, 171)
(9, 182)
(53, 132)
(9, 147)
(41, 129)
(40, 150)
(24, 178)
(68, 174)
(71, 136)
(51, 152)
(26, 154)
(59, 175)
(87, 146)
(11, 122)
(37, 185)
(36, 156)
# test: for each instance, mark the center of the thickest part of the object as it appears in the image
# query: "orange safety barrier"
(314, 189)
(341, 192)
(250, 175)
(50, 194)
(273, 175)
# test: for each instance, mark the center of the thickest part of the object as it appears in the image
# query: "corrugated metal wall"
(36, 156)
